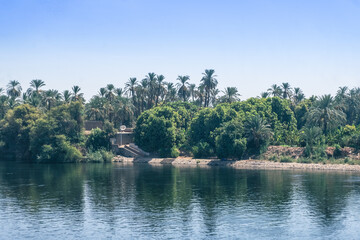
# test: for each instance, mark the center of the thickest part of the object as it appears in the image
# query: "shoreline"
(238, 164)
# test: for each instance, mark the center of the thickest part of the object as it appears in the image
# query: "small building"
(124, 138)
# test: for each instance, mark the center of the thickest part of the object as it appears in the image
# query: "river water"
(115, 201)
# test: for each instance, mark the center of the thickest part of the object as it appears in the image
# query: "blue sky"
(251, 44)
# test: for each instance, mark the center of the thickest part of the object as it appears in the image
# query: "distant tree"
(286, 90)
(275, 90)
(231, 94)
(14, 89)
(257, 133)
(183, 87)
(209, 82)
(325, 114)
(36, 84)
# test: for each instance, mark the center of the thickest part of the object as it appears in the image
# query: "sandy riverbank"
(241, 164)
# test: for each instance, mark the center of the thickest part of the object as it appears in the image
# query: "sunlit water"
(96, 201)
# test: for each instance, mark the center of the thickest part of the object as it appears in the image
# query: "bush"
(286, 159)
(229, 142)
(98, 139)
(337, 151)
(203, 150)
(100, 155)
(60, 150)
(172, 152)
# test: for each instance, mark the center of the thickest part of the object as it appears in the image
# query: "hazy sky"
(251, 44)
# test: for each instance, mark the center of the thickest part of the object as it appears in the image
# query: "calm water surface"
(96, 201)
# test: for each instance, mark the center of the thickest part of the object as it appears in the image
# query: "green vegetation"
(171, 119)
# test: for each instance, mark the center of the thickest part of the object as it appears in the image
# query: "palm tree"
(37, 84)
(209, 82)
(110, 88)
(192, 91)
(213, 96)
(66, 95)
(14, 89)
(286, 90)
(182, 86)
(298, 96)
(77, 96)
(130, 87)
(102, 92)
(160, 79)
(275, 90)
(200, 93)
(50, 97)
(257, 132)
(325, 114)
(151, 83)
(125, 112)
(119, 92)
(231, 94)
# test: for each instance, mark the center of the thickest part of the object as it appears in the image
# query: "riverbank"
(239, 164)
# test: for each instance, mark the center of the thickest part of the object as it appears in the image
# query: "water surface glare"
(101, 201)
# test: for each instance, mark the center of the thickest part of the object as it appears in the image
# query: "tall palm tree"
(102, 92)
(231, 94)
(110, 88)
(192, 91)
(151, 83)
(298, 96)
(159, 87)
(119, 92)
(275, 90)
(200, 93)
(325, 114)
(66, 95)
(130, 87)
(286, 90)
(50, 97)
(14, 89)
(77, 96)
(209, 82)
(36, 84)
(182, 86)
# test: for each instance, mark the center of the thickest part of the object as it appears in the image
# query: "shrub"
(172, 152)
(98, 139)
(100, 155)
(202, 150)
(337, 151)
(286, 159)
(229, 142)
(60, 150)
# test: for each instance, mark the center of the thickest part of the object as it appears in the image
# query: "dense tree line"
(171, 118)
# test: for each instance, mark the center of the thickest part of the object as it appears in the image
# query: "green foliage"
(15, 131)
(98, 139)
(203, 150)
(69, 119)
(286, 159)
(337, 151)
(258, 134)
(58, 150)
(314, 142)
(100, 155)
(162, 130)
(230, 142)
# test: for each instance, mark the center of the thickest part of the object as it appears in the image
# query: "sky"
(251, 44)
